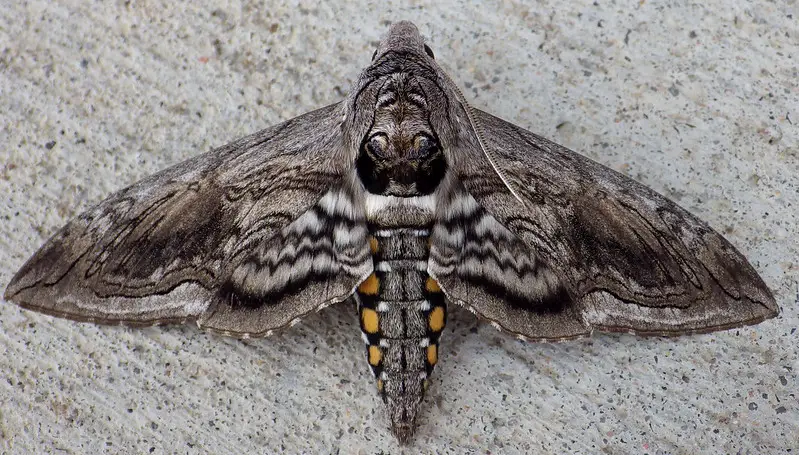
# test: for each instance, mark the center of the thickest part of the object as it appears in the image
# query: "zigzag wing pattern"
(315, 261)
(483, 266)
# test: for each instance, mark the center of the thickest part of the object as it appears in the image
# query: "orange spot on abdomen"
(432, 354)
(370, 286)
(375, 355)
(370, 321)
(436, 319)
(432, 285)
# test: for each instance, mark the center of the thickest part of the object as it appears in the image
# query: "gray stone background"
(697, 100)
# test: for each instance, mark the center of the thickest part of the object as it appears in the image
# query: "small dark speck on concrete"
(674, 90)
(219, 13)
(783, 381)
(84, 63)
(781, 410)
(49, 145)
(692, 34)
(753, 406)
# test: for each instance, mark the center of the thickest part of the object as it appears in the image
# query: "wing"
(554, 246)
(225, 239)
(482, 265)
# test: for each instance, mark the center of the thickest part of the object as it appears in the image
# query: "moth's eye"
(423, 146)
(429, 51)
(377, 145)
(374, 55)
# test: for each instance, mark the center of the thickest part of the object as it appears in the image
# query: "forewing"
(161, 250)
(629, 259)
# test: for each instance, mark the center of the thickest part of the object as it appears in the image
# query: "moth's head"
(399, 153)
(402, 38)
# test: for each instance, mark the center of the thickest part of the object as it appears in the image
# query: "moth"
(403, 199)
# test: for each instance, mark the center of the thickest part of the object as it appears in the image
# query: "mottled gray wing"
(607, 253)
(482, 265)
(243, 239)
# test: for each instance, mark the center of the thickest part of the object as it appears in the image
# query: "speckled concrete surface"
(697, 100)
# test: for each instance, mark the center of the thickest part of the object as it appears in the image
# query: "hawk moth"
(402, 198)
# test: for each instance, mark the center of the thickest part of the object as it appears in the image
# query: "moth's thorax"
(400, 155)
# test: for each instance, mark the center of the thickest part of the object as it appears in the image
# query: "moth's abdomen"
(402, 313)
